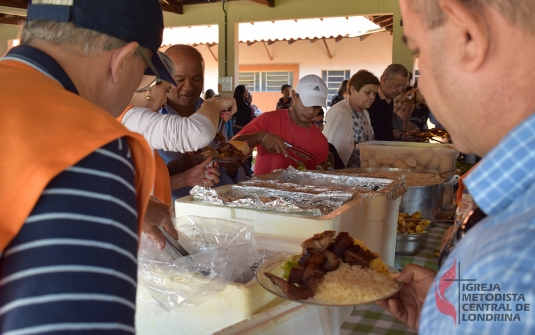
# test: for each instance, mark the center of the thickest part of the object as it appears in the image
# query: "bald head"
(189, 77)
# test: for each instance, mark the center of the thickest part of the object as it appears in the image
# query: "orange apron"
(44, 129)
(162, 182)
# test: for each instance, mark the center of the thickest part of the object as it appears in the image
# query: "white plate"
(274, 266)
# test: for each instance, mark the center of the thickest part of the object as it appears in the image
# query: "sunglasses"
(473, 218)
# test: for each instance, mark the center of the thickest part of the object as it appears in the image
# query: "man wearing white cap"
(285, 137)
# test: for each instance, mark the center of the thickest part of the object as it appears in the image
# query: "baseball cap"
(312, 91)
(128, 20)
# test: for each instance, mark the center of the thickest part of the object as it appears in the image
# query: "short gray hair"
(520, 13)
(59, 33)
(396, 69)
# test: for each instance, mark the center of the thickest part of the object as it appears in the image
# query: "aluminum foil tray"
(361, 186)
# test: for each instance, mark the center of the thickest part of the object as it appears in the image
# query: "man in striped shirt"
(472, 48)
(75, 183)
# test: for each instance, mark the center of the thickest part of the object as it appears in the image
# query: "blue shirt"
(168, 156)
(498, 252)
(72, 266)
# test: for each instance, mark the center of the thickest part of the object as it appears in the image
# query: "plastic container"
(419, 157)
(372, 220)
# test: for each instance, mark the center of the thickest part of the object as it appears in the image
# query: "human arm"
(158, 215)
(175, 133)
(212, 109)
(170, 132)
(406, 305)
(270, 142)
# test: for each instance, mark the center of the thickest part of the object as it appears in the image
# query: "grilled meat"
(356, 255)
(332, 261)
(319, 242)
(313, 271)
(311, 256)
(306, 291)
(341, 243)
(296, 274)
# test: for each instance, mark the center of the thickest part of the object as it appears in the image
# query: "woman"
(420, 115)
(245, 113)
(348, 123)
(341, 94)
(401, 124)
(174, 133)
(243, 117)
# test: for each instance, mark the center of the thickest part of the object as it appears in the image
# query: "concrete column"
(400, 53)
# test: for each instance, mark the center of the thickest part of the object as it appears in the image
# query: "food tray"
(419, 157)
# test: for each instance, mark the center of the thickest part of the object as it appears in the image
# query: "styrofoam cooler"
(372, 220)
(238, 302)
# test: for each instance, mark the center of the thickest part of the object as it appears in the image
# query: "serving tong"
(173, 247)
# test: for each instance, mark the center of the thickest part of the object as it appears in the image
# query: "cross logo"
(443, 304)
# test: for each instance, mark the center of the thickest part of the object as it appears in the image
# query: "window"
(333, 79)
(269, 81)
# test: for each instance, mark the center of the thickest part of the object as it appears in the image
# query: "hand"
(203, 174)
(226, 115)
(212, 108)
(274, 144)
(158, 215)
(407, 304)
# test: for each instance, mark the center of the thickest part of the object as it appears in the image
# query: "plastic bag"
(220, 251)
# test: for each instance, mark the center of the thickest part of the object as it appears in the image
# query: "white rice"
(353, 285)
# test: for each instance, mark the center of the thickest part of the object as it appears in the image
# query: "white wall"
(373, 54)
(7, 32)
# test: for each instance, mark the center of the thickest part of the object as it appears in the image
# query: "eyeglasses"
(156, 80)
(150, 85)
(459, 232)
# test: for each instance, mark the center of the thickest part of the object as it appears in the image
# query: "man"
(184, 100)
(466, 48)
(391, 84)
(286, 137)
(286, 101)
(75, 182)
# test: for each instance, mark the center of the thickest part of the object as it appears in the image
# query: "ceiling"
(173, 6)
(11, 11)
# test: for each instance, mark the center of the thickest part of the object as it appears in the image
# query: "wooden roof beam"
(382, 18)
(15, 20)
(291, 41)
(314, 39)
(250, 43)
(327, 48)
(269, 3)
(14, 3)
(172, 6)
(363, 37)
(386, 23)
(267, 51)
(211, 52)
